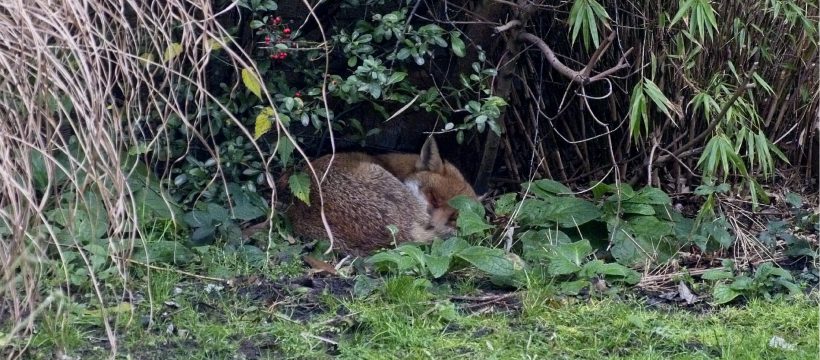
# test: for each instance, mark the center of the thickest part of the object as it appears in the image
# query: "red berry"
(298, 94)
(273, 56)
(283, 55)
(267, 40)
(286, 31)
(277, 20)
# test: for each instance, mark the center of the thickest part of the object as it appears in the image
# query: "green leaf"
(717, 274)
(284, 149)
(651, 195)
(576, 252)
(263, 122)
(437, 265)
(656, 95)
(638, 117)
(615, 269)
(572, 212)
(164, 251)
(396, 77)
(562, 266)
(451, 247)
(491, 261)
(537, 243)
(251, 82)
(412, 250)
(505, 204)
(172, 51)
(466, 204)
(683, 11)
(457, 44)
(722, 294)
(300, 186)
(546, 188)
(573, 287)
(470, 215)
(639, 209)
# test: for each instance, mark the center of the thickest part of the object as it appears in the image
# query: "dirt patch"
(508, 303)
(299, 297)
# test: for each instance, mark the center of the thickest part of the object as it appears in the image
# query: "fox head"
(438, 181)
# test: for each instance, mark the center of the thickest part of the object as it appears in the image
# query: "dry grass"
(92, 72)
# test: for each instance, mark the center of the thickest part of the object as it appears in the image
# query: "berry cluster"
(279, 33)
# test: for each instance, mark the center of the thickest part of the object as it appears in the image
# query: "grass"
(405, 317)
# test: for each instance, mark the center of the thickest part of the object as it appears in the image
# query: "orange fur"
(363, 194)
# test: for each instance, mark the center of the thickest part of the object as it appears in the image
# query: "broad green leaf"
(251, 82)
(450, 247)
(572, 212)
(562, 266)
(164, 251)
(284, 150)
(576, 252)
(650, 226)
(491, 261)
(573, 287)
(413, 251)
(465, 204)
(651, 195)
(437, 265)
(505, 204)
(722, 294)
(639, 209)
(717, 274)
(300, 186)
(457, 44)
(263, 122)
(537, 243)
(470, 223)
(614, 269)
(546, 188)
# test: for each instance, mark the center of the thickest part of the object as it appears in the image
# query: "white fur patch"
(415, 188)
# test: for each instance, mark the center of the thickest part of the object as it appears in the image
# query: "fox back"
(364, 194)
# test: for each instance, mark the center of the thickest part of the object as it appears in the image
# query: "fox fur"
(364, 194)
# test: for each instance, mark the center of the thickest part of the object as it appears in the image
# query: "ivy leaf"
(251, 82)
(491, 261)
(300, 186)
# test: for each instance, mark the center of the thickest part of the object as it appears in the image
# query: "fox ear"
(430, 159)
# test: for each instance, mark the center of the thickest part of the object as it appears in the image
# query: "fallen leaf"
(319, 265)
(686, 294)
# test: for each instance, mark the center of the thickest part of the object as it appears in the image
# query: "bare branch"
(582, 76)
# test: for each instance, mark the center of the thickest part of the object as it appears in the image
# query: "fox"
(364, 194)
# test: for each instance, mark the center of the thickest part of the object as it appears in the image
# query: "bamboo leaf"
(684, 9)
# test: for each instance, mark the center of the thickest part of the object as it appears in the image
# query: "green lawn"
(409, 318)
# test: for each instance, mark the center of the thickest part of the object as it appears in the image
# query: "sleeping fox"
(364, 194)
